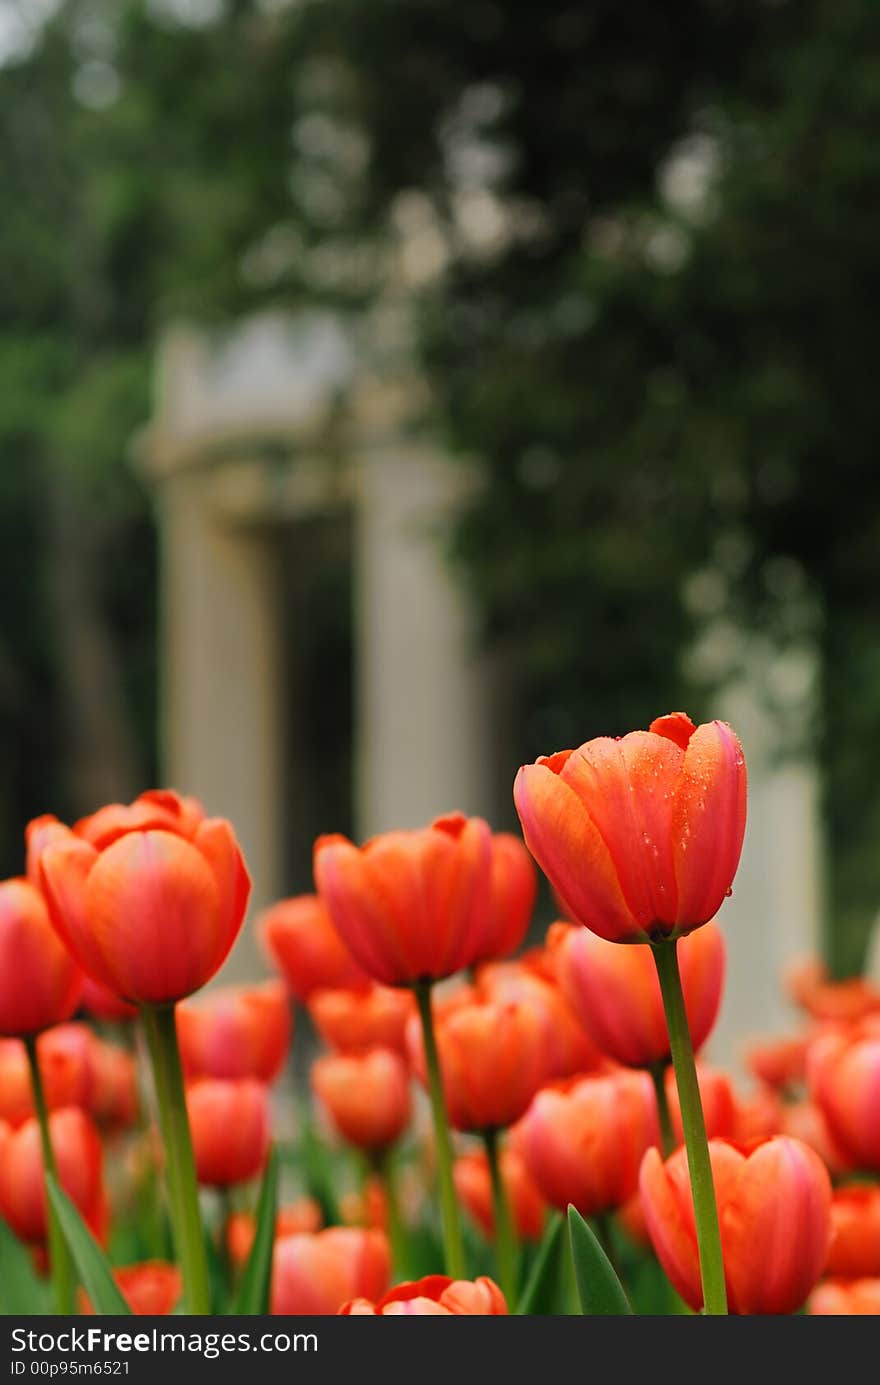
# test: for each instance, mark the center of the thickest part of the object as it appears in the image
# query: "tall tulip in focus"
(641, 837)
(411, 907)
(774, 1206)
(149, 898)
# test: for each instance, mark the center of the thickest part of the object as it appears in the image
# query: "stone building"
(284, 463)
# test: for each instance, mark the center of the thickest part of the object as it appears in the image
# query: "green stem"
(60, 1261)
(183, 1188)
(506, 1249)
(667, 1135)
(452, 1241)
(699, 1163)
(385, 1171)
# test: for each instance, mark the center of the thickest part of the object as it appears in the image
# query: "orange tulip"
(77, 1151)
(780, 1063)
(835, 1002)
(356, 1021)
(845, 1298)
(301, 941)
(640, 837)
(151, 1289)
(230, 1128)
(410, 906)
(66, 1058)
(843, 1068)
(236, 1031)
(855, 1233)
(514, 885)
(774, 1211)
(615, 993)
(365, 1094)
(804, 1121)
(115, 1101)
(434, 1296)
(491, 1062)
(583, 1144)
(758, 1116)
(39, 980)
(565, 1044)
(103, 1004)
(129, 885)
(473, 1184)
(717, 1098)
(241, 1228)
(317, 1274)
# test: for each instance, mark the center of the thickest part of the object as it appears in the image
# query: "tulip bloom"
(241, 1228)
(114, 1100)
(410, 906)
(149, 898)
(615, 993)
(843, 1069)
(780, 1063)
(565, 1044)
(301, 941)
(318, 1274)
(366, 1096)
(434, 1296)
(584, 1144)
(230, 1127)
(827, 1001)
(845, 1298)
(103, 1004)
(774, 1210)
(66, 1060)
(151, 1290)
(491, 1062)
(236, 1031)
(473, 1183)
(354, 1021)
(855, 1233)
(77, 1151)
(640, 837)
(514, 885)
(39, 979)
(803, 1120)
(717, 1099)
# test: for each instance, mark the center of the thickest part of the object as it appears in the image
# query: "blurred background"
(393, 392)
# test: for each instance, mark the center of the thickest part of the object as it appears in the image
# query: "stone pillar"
(422, 725)
(222, 728)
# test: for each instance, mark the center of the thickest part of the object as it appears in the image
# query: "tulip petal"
(709, 820)
(570, 851)
(216, 841)
(64, 869)
(673, 1235)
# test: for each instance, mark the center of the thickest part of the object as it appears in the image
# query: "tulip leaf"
(599, 1289)
(539, 1297)
(252, 1299)
(92, 1265)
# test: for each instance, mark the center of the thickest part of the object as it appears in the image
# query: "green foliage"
(92, 1265)
(256, 1282)
(599, 1289)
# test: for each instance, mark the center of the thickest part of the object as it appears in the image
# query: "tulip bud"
(230, 1128)
(317, 1274)
(39, 980)
(366, 1096)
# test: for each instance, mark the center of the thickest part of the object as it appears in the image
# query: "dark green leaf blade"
(92, 1264)
(599, 1289)
(252, 1298)
(543, 1289)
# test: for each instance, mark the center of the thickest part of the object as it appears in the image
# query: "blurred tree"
(640, 246)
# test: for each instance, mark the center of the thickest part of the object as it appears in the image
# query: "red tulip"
(566, 1047)
(103, 1004)
(774, 1211)
(66, 1058)
(356, 1021)
(435, 1296)
(491, 1062)
(855, 1233)
(230, 1127)
(640, 837)
(114, 1102)
(845, 1298)
(514, 885)
(365, 1094)
(843, 1068)
(77, 1151)
(236, 1031)
(615, 993)
(780, 1063)
(717, 1099)
(410, 905)
(584, 1144)
(473, 1184)
(318, 1274)
(758, 1116)
(803, 1120)
(241, 1228)
(300, 939)
(129, 885)
(827, 1001)
(151, 1289)
(39, 980)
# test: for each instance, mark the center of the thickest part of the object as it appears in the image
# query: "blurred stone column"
(422, 706)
